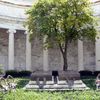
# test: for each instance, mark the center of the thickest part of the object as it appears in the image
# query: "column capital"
(26, 32)
(11, 31)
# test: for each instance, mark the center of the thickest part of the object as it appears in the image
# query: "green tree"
(62, 21)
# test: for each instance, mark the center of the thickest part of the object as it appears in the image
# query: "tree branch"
(61, 48)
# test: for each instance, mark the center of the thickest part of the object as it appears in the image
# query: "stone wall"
(89, 55)
(55, 60)
(37, 54)
(4, 49)
(20, 51)
(72, 56)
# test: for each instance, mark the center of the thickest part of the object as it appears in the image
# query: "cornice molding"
(12, 23)
(12, 18)
(11, 11)
(14, 4)
(98, 1)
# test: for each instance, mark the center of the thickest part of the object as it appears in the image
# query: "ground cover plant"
(20, 94)
(89, 81)
(72, 95)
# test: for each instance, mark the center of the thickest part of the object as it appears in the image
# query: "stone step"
(62, 85)
(32, 83)
(31, 86)
(51, 82)
(55, 86)
(78, 82)
(62, 82)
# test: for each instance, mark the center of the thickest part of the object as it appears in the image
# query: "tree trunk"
(65, 66)
(64, 55)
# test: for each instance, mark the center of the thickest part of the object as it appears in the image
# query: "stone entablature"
(6, 23)
(96, 8)
(12, 10)
(12, 16)
(22, 3)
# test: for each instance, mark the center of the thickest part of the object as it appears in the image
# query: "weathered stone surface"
(20, 51)
(72, 56)
(56, 61)
(37, 54)
(41, 75)
(62, 75)
(89, 55)
(4, 49)
(69, 75)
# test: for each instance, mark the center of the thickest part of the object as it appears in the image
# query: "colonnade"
(45, 53)
(12, 32)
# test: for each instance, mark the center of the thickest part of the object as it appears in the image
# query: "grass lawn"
(20, 94)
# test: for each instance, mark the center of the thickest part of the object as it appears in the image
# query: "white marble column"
(80, 55)
(11, 49)
(28, 52)
(45, 56)
(97, 54)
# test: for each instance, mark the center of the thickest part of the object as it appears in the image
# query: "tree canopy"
(61, 21)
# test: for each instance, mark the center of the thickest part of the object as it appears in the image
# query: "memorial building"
(17, 53)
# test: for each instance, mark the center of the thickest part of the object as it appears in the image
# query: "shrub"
(96, 73)
(85, 73)
(24, 73)
(1, 69)
(13, 73)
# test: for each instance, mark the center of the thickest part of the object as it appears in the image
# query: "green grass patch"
(20, 94)
(90, 82)
(36, 95)
(21, 82)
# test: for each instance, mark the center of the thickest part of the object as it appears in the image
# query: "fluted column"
(80, 55)
(28, 52)
(45, 56)
(11, 49)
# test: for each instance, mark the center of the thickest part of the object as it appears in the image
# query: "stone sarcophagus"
(55, 80)
(62, 75)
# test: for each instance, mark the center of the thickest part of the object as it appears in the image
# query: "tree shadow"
(22, 82)
(90, 82)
